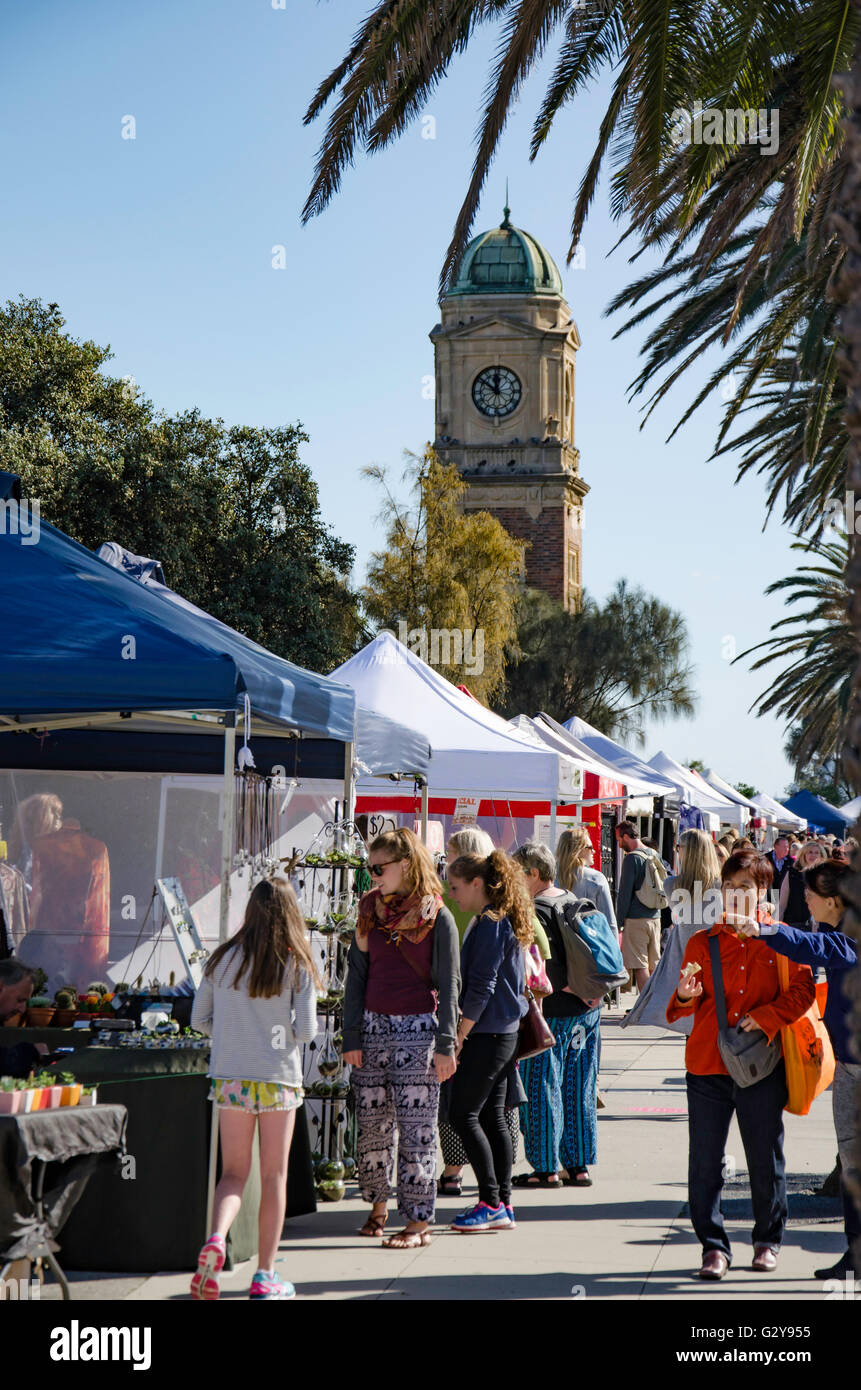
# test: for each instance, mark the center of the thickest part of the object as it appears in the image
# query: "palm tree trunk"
(847, 291)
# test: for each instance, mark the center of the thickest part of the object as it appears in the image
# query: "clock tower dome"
(505, 353)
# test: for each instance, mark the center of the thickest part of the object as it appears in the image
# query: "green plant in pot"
(40, 1011)
(66, 1005)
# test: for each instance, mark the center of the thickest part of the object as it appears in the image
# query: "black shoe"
(842, 1267)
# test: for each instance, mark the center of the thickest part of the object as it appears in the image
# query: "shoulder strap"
(717, 982)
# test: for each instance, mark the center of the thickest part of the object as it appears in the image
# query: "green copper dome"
(506, 260)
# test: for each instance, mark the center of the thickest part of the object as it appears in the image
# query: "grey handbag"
(748, 1057)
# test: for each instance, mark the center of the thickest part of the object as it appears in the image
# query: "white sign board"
(466, 810)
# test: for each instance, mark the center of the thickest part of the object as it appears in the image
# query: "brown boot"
(715, 1265)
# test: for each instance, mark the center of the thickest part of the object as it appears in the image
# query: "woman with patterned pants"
(398, 1040)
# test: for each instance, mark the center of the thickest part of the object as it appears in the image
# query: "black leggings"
(477, 1111)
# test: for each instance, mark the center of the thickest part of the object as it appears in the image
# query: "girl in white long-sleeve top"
(258, 999)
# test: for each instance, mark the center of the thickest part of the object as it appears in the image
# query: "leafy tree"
(824, 779)
(746, 789)
(696, 765)
(822, 649)
(448, 580)
(613, 665)
(232, 513)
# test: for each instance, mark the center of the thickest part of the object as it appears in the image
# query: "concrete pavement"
(626, 1237)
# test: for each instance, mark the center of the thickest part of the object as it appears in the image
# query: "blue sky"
(161, 246)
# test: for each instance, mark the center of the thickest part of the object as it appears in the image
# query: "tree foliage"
(613, 664)
(819, 644)
(445, 571)
(231, 512)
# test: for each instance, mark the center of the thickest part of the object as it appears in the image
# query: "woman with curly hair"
(492, 1003)
(400, 1013)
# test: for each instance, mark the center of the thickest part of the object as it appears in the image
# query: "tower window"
(574, 569)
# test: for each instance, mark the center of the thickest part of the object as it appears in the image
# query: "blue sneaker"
(482, 1218)
(511, 1221)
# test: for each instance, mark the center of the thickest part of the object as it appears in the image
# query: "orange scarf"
(398, 915)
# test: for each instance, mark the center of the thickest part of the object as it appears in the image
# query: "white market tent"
(557, 735)
(697, 792)
(473, 750)
(732, 794)
(630, 769)
(786, 819)
(852, 808)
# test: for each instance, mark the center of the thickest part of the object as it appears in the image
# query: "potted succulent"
(36, 1095)
(40, 1011)
(66, 1001)
(71, 1092)
(11, 1096)
(52, 1090)
(89, 1096)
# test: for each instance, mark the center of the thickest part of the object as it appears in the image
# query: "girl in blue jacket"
(492, 1003)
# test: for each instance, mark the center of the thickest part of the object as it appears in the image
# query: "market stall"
(155, 791)
(482, 771)
(701, 805)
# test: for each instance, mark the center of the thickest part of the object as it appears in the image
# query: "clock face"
(496, 391)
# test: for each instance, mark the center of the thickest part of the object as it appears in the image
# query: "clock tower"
(505, 353)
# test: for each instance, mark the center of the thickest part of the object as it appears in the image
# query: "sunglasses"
(377, 869)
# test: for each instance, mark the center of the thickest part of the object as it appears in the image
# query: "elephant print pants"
(396, 1088)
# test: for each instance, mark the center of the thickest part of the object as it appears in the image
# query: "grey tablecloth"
(72, 1141)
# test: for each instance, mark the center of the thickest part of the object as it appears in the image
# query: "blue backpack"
(592, 956)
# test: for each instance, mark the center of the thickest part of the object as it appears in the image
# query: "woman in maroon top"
(400, 1026)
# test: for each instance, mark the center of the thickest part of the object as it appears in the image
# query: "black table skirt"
(153, 1218)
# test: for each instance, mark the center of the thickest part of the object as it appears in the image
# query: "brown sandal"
(407, 1240)
(374, 1225)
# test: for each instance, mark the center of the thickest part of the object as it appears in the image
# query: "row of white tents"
(475, 752)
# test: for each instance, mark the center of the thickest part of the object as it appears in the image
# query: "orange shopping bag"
(807, 1052)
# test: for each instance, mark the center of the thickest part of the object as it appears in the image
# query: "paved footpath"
(626, 1237)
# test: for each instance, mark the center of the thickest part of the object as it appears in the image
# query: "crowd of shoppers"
(436, 994)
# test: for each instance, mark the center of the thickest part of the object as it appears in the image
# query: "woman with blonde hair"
(793, 908)
(492, 1003)
(398, 1039)
(37, 815)
(695, 903)
(575, 871)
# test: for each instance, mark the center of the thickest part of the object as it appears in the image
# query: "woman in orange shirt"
(753, 1001)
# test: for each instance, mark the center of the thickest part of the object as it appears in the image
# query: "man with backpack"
(559, 1119)
(639, 902)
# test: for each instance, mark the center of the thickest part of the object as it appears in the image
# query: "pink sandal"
(210, 1262)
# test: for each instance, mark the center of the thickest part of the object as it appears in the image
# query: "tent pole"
(553, 825)
(349, 788)
(424, 813)
(227, 823)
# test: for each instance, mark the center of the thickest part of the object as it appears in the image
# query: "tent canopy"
(786, 819)
(629, 768)
(474, 750)
(819, 814)
(383, 746)
(80, 637)
(852, 808)
(696, 790)
(719, 785)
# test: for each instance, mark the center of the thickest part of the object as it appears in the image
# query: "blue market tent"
(820, 815)
(86, 644)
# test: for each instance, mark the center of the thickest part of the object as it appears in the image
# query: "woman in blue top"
(838, 953)
(492, 1003)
